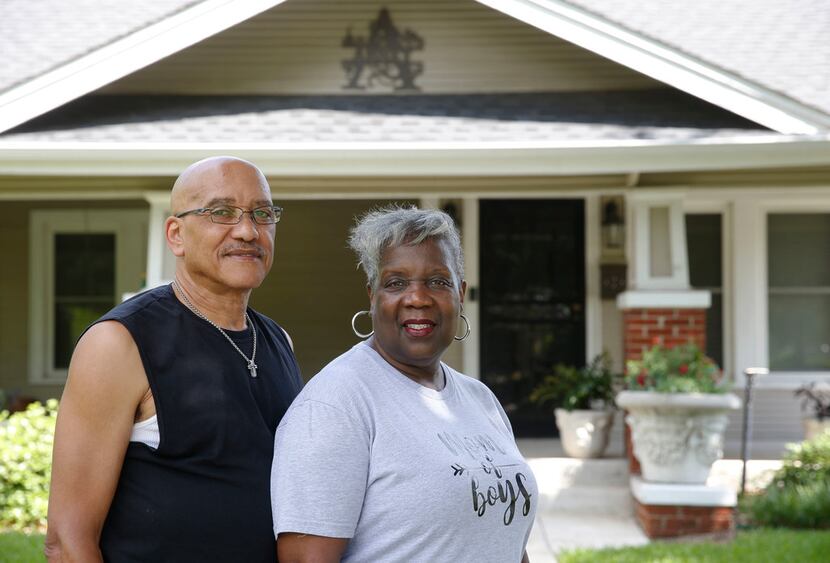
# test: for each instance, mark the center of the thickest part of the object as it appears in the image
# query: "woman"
(388, 454)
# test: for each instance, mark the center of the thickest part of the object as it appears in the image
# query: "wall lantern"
(613, 226)
(613, 270)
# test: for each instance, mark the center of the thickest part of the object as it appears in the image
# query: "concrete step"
(561, 472)
(583, 487)
(611, 501)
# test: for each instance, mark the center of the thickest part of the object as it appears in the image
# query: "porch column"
(161, 264)
(661, 308)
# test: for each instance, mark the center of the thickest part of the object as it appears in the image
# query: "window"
(798, 258)
(84, 287)
(81, 264)
(704, 243)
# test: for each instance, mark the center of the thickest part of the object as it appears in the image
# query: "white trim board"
(415, 159)
(672, 66)
(124, 56)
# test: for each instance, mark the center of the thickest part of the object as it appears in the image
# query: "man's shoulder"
(140, 302)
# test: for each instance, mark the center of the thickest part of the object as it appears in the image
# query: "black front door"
(532, 284)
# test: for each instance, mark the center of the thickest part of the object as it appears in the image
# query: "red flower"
(641, 379)
(683, 369)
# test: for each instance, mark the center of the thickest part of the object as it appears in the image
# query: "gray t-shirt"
(408, 473)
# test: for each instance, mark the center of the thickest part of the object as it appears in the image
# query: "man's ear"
(174, 235)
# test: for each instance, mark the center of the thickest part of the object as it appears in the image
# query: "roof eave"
(680, 70)
(416, 159)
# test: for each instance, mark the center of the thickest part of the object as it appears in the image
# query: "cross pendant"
(252, 368)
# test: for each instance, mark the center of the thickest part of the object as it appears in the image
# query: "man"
(165, 432)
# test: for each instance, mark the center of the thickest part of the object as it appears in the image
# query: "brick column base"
(648, 327)
(645, 328)
(673, 521)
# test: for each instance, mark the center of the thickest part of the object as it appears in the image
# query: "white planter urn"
(584, 433)
(813, 427)
(677, 436)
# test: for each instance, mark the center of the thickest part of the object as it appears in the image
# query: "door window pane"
(798, 247)
(84, 287)
(704, 243)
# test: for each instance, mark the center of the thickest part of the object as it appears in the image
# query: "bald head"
(206, 175)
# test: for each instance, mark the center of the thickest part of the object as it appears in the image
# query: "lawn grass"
(755, 546)
(17, 547)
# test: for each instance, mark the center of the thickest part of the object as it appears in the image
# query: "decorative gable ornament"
(383, 58)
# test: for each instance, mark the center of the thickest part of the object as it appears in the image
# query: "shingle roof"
(39, 35)
(663, 114)
(783, 45)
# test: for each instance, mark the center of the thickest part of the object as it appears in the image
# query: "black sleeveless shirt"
(204, 494)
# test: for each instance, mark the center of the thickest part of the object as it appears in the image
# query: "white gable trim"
(124, 56)
(414, 159)
(668, 65)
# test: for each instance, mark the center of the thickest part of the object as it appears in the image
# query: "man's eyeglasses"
(230, 215)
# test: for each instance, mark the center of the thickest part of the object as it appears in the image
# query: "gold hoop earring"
(359, 334)
(467, 332)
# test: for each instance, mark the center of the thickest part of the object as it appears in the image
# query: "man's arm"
(305, 548)
(105, 386)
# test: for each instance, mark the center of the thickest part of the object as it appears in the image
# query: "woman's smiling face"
(415, 307)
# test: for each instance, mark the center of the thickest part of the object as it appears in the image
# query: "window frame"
(749, 275)
(129, 228)
(721, 208)
(784, 379)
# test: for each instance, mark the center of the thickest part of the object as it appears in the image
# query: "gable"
(632, 49)
(296, 48)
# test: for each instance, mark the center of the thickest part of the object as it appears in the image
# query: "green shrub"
(806, 462)
(799, 494)
(578, 388)
(25, 465)
(682, 369)
(794, 506)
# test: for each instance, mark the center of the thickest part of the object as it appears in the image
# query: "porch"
(588, 503)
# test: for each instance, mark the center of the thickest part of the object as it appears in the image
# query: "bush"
(682, 369)
(582, 388)
(796, 506)
(799, 494)
(25, 465)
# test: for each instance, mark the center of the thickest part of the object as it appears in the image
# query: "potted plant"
(815, 398)
(583, 401)
(677, 405)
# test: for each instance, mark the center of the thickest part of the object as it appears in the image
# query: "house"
(611, 163)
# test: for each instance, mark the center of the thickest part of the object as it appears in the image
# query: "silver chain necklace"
(251, 365)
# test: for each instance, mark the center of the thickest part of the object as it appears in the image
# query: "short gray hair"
(392, 226)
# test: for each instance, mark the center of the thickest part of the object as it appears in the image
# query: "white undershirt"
(146, 432)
